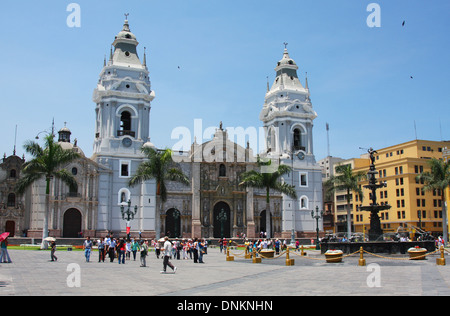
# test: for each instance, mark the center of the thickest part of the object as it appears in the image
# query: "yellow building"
(340, 197)
(411, 207)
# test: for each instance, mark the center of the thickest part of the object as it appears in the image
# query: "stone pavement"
(32, 274)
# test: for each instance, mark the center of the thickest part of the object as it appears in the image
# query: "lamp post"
(128, 215)
(316, 217)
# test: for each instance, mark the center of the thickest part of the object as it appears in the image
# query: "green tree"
(346, 180)
(268, 178)
(47, 163)
(438, 179)
(160, 167)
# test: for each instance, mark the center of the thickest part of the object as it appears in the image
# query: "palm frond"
(25, 181)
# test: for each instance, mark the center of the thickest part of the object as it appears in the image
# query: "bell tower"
(122, 125)
(287, 117)
(123, 97)
(287, 113)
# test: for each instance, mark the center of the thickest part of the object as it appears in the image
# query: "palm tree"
(47, 163)
(438, 179)
(346, 180)
(160, 167)
(268, 181)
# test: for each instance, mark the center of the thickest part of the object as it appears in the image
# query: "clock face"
(301, 155)
(126, 142)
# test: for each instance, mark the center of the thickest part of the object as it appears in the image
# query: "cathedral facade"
(213, 205)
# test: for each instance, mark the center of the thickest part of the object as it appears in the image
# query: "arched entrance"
(263, 222)
(222, 220)
(173, 223)
(71, 223)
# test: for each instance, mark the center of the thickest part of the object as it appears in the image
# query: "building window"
(304, 202)
(125, 125)
(125, 121)
(222, 171)
(298, 139)
(11, 200)
(124, 169)
(303, 179)
(73, 190)
(12, 173)
(272, 140)
(123, 196)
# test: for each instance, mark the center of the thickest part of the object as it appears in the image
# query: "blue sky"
(359, 77)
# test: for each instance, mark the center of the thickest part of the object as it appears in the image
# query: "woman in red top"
(122, 248)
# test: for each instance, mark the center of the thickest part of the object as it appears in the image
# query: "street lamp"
(129, 216)
(316, 217)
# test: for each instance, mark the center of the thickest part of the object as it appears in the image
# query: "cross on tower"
(126, 16)
(285, 45)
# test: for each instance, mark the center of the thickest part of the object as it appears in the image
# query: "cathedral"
(213, 205)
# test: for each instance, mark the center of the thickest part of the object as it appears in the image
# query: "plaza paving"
(32, 274)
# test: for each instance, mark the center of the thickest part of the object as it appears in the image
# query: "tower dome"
(64, 134)
(126, 34)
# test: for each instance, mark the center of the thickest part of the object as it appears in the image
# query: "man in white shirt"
(167, 250)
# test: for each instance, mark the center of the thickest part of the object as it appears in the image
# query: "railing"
(126, 132)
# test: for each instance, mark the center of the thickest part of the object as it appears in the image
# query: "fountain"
(375, 230)
(376, 244)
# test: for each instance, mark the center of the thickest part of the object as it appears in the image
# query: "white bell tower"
(122, 97)
(287, 116)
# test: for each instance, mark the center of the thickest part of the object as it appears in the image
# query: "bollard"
(248, 255)
(229, 258)
(441, 261)
(362, 261)
(289, 262)
(303, 253)
(256, 259)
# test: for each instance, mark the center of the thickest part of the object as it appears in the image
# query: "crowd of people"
(124, 249)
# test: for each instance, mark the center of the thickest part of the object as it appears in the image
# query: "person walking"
(4, 255)
(185, 249)
(166, 262)
(200, 250)
(101, 250)
(195, 250)
(128, 250)
(121, 248)
(111, 249)
(134, 248)
(178, 249)
(277, 246)
(221, 244)
(52, 251)
(157, 249)
(87, 246)
(143, 252)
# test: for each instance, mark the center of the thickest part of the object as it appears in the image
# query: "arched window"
(12, 173)
(125, 125)
(73, 190)
(303, 202)
(297, 139)
(11, 199)
(222, 171)
(272, 140)
(123, 196)
(125, 121)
